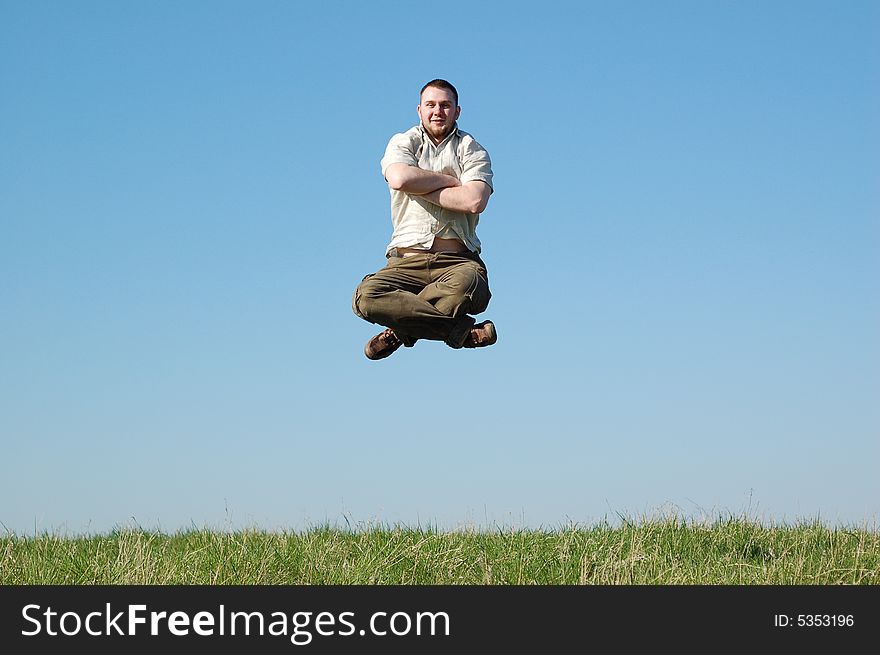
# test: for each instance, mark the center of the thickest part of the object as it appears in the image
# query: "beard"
(438, 132)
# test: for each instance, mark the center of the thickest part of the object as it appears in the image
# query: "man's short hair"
(440, 84)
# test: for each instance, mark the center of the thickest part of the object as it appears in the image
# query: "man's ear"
(457, 112)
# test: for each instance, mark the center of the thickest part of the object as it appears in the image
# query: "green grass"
(668, 551)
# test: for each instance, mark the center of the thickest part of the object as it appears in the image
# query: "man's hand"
(417, 181)
(470, 197)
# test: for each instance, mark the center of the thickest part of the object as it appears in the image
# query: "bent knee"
(362, 300)
(473, 287)
(465, 279)
(465, 299)
(478, 300)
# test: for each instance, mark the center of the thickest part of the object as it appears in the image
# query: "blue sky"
(682, 246)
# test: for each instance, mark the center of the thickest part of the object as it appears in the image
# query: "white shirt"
(416, 222)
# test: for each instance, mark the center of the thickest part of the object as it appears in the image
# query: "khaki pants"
(426, 296)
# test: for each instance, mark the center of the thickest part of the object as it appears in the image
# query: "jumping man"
(434, 280)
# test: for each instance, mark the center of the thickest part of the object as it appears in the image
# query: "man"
(440, 180)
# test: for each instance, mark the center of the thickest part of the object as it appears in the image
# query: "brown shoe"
(482, 334)
(382, 345)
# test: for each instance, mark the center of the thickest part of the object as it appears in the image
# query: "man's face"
(438, 111)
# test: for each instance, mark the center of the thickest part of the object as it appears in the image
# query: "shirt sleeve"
(475, 164)
(401, 149)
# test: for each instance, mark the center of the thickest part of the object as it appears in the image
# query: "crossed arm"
(439, 188)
